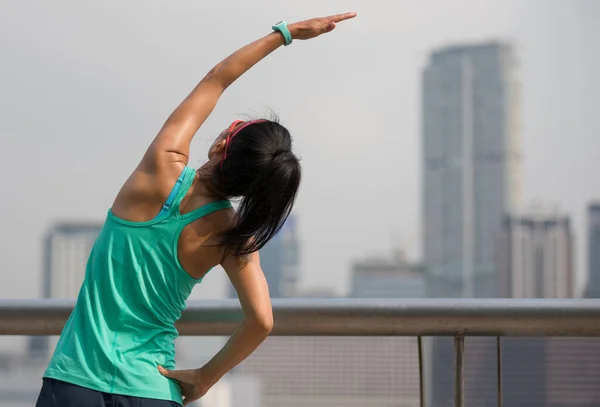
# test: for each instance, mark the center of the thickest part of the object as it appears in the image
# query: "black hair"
(262, 171)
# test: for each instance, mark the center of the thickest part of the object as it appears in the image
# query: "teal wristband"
(283, 29)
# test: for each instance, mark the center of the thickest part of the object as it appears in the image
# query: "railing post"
(499, 370)
(421, 381)
(459, 346)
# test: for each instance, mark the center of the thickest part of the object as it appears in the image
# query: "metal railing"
(359, 317)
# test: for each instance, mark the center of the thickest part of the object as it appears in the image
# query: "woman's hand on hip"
(307, 29)
(191, 382)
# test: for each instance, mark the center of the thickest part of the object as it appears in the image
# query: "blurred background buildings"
(481, 150)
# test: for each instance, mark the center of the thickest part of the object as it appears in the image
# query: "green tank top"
(122, 326)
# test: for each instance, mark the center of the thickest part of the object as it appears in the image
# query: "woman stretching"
(168, 226)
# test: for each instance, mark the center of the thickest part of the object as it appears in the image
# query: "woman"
(168, 226)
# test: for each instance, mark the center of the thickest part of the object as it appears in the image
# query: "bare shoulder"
(143, 193)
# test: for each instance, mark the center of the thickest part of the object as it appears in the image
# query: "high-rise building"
(471, 179)
(593, 251)
(535, 259)
(471, 163)
(280, 261)
(536, 256)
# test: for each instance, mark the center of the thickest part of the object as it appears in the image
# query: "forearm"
(231, 68)
(242, 343)
(184, 122)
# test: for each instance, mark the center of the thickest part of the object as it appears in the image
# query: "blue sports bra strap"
(188, 177)
(171, 198)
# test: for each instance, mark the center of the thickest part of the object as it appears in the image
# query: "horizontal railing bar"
(350, 317)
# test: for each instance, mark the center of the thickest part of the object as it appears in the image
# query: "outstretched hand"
(305, 30)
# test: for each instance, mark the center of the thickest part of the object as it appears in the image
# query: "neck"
(204, 186)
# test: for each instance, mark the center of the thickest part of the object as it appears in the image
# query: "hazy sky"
(85, 86)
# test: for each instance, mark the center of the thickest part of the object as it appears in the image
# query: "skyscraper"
(535, 261)
(536, 256)
(593, 251)
(280, 261)
(471, 164)
(471, 179)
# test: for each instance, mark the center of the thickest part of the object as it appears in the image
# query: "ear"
(217, 148)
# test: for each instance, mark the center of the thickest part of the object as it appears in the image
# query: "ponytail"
(263, 171)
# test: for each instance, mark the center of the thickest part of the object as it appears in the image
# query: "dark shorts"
(60, 394)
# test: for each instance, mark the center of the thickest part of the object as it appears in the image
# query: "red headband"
(231, 134)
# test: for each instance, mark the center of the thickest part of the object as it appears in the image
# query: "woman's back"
(134, 290)
(120, 337)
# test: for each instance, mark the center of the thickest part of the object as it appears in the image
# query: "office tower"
(535, 259)
(593, 251)
(471, 179)
(471, 164)
(536, 256)
(280, 261)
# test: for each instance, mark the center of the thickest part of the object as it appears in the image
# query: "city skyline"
(86, 86)
(135, 97)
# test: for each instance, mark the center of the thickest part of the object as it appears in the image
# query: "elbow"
(262, 324)
(265, 323)
(216, 80)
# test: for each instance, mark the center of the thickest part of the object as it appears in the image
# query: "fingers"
(341, 17)
(168, 373)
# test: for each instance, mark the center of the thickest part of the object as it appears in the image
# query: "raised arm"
(172, 143)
